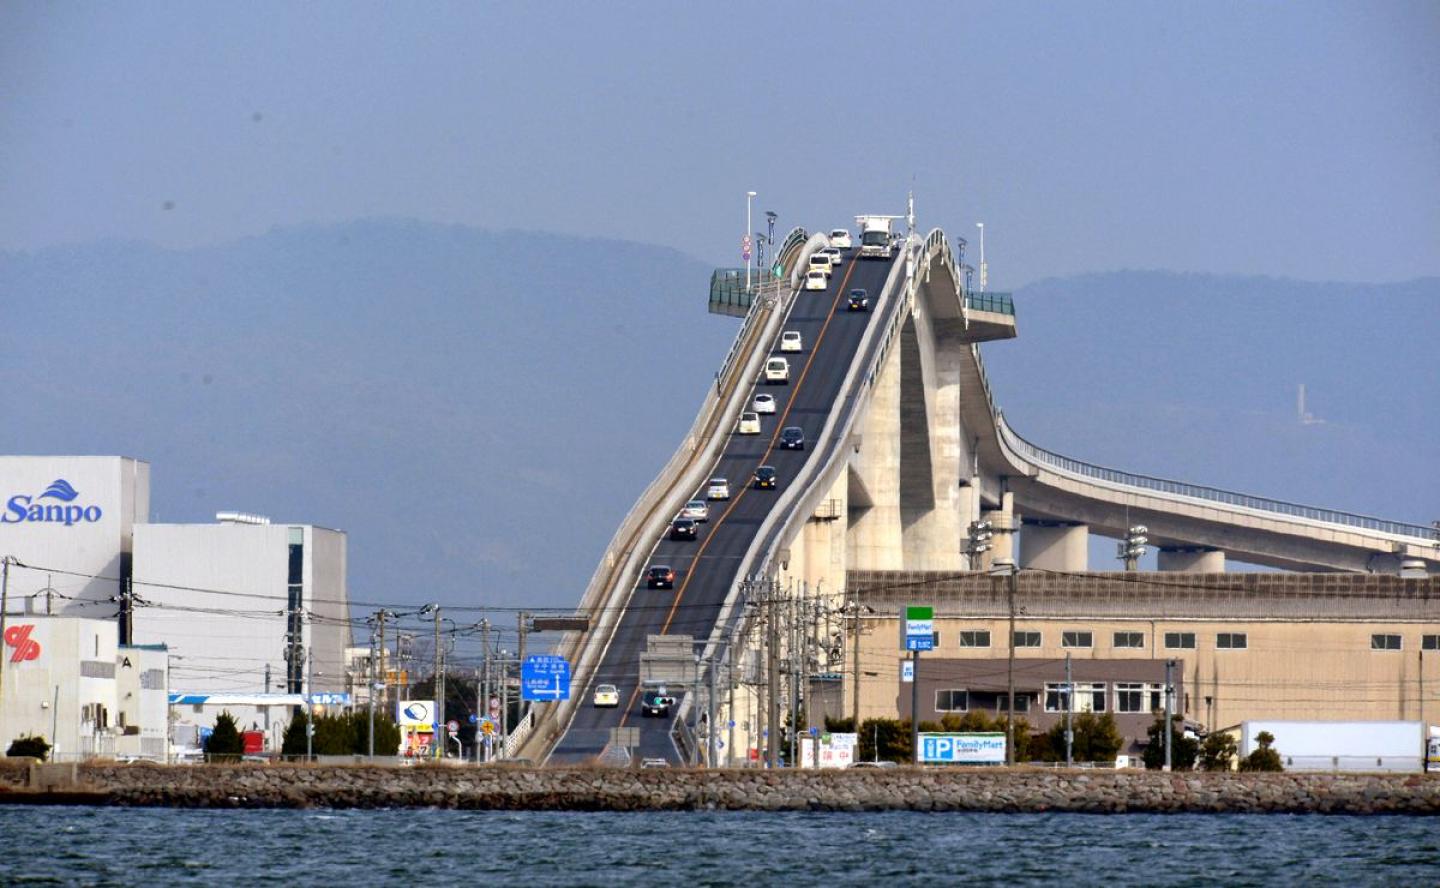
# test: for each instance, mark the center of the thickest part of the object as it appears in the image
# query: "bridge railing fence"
(1073, 466)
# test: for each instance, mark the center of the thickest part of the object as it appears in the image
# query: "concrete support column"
(1055, 545)
(1197, 559)
(875, 541)
(1003, 526)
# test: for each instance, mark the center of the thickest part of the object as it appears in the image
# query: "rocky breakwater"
(909, 789)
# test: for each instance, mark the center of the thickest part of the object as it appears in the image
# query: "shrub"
(32, 747)
(1218, 752)
(1183, 750)
(224, 744)
(1263, 758)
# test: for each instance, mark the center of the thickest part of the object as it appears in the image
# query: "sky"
(1281, 139)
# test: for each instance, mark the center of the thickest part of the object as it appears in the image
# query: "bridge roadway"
(705, 570)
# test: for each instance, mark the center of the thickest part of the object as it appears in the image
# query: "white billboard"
(836, 750)
(962, 749)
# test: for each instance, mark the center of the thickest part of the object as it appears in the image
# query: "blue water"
(116, 846)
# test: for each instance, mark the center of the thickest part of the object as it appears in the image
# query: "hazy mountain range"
(479, 409)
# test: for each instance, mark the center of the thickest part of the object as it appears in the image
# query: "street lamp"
(749, 200)
(981, 226)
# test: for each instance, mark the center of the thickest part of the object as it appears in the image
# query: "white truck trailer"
(1341, 745)
(876, 239)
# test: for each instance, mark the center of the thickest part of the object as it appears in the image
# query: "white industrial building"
(67, 679)
(124, 611)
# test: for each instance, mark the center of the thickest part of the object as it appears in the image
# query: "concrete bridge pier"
(1191, 559)
(1055, 545)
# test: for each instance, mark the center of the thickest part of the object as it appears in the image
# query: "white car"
(777, 371)
(696, 510)
(835, 257)
(840, 238)
(763, 403)
(719, 489)
(749, 424)
(820, 261)
(790, 341)
(606, 696)
(816, 280)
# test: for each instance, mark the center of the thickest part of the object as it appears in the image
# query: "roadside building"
(1323, 647)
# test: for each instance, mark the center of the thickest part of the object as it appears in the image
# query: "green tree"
(1097, 738)
(889, 737)
(293, 743)
(839, 725)
(1217, 752)
(1183, 750)
(32, 747)
(1263, 758)
(387, 733)
(224, 744)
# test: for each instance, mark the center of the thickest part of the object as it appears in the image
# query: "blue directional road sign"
(545, 677)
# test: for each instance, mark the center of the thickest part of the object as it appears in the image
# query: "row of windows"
(1123, 697)
(1224, 641)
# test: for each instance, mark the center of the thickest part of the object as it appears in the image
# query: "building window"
(1430, 642)
(975, 638)
(1231, 641)
(936, 639)
(1022, 703)
(952, 701)
(1027, 640)
(1180, 640)
(1056, 696)
(1157, 697)
(1129, 696)
(1077, 639)
(1090, 697)
(1382, 642)
(1129, 639)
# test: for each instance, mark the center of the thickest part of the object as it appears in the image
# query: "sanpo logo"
(21, 508)
(26, 648)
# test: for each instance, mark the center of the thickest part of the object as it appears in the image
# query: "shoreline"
(597, 789)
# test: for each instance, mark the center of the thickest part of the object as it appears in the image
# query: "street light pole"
(749, 200)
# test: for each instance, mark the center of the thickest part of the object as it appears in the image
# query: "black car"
(766, 479)
(683, 529)
(792, 438)
(656, 704)
(859, 300)
(661, 576)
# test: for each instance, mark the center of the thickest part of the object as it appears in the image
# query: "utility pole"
(772, 702)
(484, 702)
(5, 563)
(1011, 582)
(1133, 546)
(712, 734)
(309, 705)
(1169, 729)
(438, 686)
(384, 679)
(370, 693)
(267, 677)
(1069, 707)
(855, 666)
(793, 642)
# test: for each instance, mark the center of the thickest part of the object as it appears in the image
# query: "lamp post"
(981, 226)
(749, 200)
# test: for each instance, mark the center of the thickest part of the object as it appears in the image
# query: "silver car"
(696, 510)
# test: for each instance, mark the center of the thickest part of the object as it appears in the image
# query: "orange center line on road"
(735, 501)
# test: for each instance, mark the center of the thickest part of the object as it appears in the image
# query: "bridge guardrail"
(1073, 466)
(628, 543)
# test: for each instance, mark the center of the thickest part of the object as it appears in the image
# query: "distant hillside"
(1194, 377)
(477, 409)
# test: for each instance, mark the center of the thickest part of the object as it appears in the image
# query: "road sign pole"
(915, 706)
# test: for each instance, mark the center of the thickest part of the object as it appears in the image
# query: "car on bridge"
(656, 704)
(777, 371)
(820, 261)
(836, 257)
(718, 489)
(791, 341)
(684, 529)
(816, 280)
(749, 424)
(696, 510)
(606, 697)
(792, 438)
(840, 237)
(766, 478)
(660, 576)
(763, 403)
(859, 300)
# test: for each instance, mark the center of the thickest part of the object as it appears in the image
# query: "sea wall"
(504, 788)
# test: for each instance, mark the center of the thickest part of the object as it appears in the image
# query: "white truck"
(876, 240)
(1341, 745)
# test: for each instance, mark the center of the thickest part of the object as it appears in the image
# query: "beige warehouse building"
(1245, 646)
